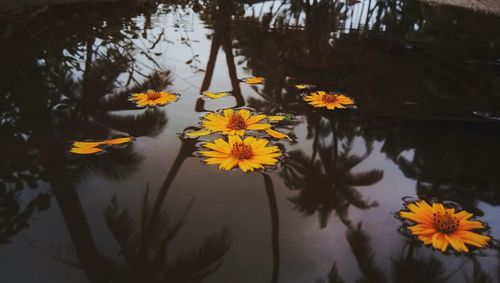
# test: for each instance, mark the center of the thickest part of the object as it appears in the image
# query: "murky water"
(426, 81)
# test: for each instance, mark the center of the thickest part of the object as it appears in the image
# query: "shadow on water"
(418, 73)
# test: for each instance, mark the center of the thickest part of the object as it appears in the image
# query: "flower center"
(329, 98)
(236, 122)
(445, 223)
(241, 151)
(152, 95)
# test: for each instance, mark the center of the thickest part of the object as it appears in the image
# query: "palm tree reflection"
(408, 266)
(154, 265)
(218, 13)
(326, 184)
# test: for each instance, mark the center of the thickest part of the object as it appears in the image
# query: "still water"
(426, 82)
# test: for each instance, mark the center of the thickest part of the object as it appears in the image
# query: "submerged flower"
(153, 98)
(234, 122)
(254, 80)
(215, 95)
(328, 100)
(441, 227)
(248, 154)
(91, 147)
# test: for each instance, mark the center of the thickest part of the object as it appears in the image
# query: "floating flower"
(440, 226)
(215, 95)
(304, 86)
(153, 98)
(91, 147)
(234, 122)
(239, 122)
(248, 154)
(254, 80)
(328, 100)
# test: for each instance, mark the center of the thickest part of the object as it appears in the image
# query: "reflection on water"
(417, 72)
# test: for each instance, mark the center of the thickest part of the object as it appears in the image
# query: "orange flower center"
(153, 95)
(445, 223)
(242, 151)
(236, 122)
(329, 98)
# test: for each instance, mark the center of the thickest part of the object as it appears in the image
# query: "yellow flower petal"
(195, 134)
(215, 95)
(118, 141)
(86, 150)
(276, 134)
(303, 86)
(254, 80)
(442, 226)
(276, 118)
(85, 144)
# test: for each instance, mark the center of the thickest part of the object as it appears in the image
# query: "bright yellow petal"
(276, 118)
(118, 141)
(229, 163)
(218, 154)
(244, 113)
(254, 80)
(228, 113)
(233, 139)
(202, 132)
(86, 150)
(86, 144)
(256, 118)
(276, 134)
(259, 127)
(215, 95)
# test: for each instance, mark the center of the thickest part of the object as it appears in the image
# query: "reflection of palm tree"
(360, 245)
(66, 108)
(421, 269)
(328, 184)
(221, 37)
(407, 267)
(186, 151)
(153, 265)
(275, 227)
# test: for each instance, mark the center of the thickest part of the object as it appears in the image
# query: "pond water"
(426, 84)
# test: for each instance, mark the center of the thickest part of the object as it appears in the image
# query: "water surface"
(426, 81)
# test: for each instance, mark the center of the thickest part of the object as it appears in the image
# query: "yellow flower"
(91, 147)
(254, 80)
(234, 122)
(153, 98)
(440, 226)
(328, 100)
(215, 95)
(248, 154)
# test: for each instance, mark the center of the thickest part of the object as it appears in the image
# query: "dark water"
(426, 79)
